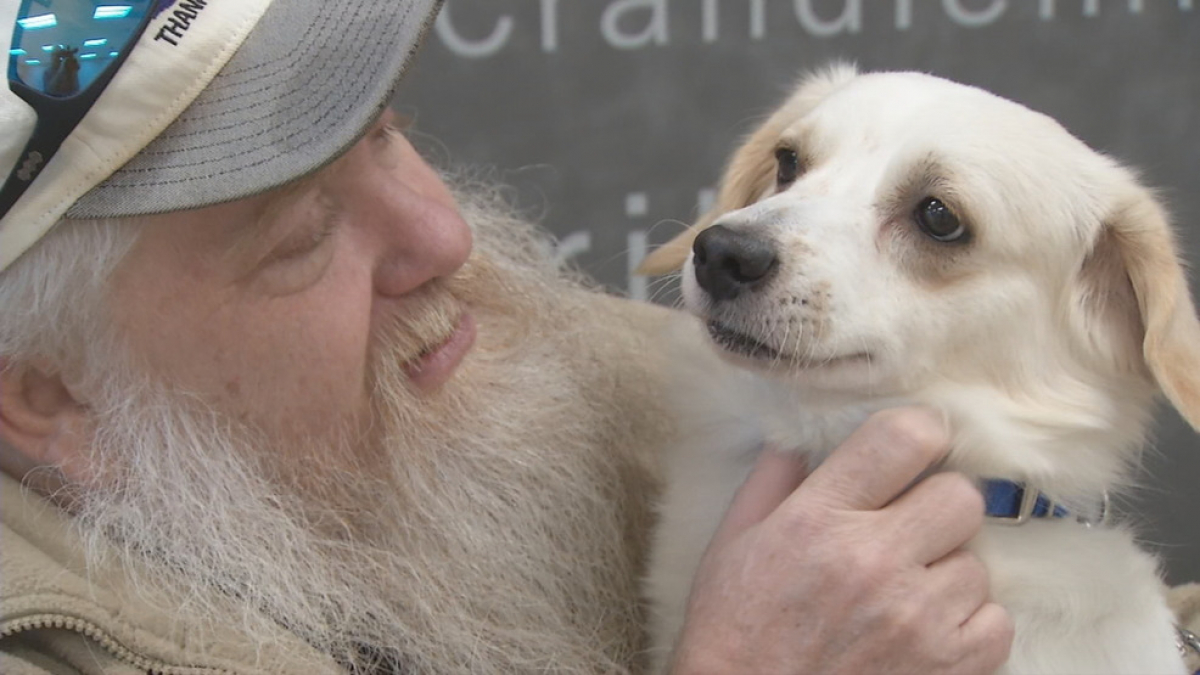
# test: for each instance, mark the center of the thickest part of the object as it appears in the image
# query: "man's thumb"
(776, 474)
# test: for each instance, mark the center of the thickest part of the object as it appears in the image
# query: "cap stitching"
(356, 85)
(328, 110)
(256, 103)
(110, 203)
(315, 25)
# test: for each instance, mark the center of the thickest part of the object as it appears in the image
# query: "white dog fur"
(1044, 335)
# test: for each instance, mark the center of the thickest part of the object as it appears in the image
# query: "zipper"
(98, 635)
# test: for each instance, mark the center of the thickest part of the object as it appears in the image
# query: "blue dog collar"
(1013, 503)
(1009, 499)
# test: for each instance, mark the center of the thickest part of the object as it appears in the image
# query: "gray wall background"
(612, 119)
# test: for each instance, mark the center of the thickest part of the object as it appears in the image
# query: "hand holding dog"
(841, 575)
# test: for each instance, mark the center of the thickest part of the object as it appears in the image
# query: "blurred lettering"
(474, 49)
(549, 25)
(903, 14)
(655, 31)
(635, 253)
(849, 21)
(974, 18)
(629, 25)
(572, 245)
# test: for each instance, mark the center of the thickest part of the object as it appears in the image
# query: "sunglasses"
(63, 54)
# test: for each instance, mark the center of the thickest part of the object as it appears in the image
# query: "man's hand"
(839, 575)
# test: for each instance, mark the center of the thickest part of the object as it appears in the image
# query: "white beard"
(485, 530)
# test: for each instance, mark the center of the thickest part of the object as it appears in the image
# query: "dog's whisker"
(777, 361)
(666, 282)
(870, 379)
(663, 286)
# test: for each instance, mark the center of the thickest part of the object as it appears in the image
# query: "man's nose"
(728, 262)
(422, 233)
(425, 238)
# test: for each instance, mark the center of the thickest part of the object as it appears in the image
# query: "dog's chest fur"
(974, 256)
(1084, 599)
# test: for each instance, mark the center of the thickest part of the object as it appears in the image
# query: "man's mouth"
(437, 363)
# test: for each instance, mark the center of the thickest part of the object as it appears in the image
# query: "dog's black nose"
(728, 262)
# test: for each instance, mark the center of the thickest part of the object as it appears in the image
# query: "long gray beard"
(484, 530)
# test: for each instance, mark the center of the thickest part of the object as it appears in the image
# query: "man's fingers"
(775, 476)
(987, 638)
(936, 516)
(960, 583)
(880, 459)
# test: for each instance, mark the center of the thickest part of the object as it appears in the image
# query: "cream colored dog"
(891, 238)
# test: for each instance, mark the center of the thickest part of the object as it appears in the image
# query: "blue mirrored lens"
(60, 47)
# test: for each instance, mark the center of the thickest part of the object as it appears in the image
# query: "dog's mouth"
(741, 344)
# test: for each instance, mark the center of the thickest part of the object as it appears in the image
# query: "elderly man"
(273, 398)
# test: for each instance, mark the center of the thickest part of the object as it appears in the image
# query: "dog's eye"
(938, 221)
(787, 161)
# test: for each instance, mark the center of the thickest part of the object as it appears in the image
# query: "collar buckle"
(1029, 500)
(1187, 642)
(1102, 517)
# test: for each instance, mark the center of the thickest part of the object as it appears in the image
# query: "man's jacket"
(56, 617)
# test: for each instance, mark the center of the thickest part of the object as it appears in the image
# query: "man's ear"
(1141, 235)
(40, 419)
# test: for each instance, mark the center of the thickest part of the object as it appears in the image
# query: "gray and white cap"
(219, 100)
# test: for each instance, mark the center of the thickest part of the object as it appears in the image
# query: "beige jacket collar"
(44, 584)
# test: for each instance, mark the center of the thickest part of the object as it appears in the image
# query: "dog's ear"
(751, 170)
(670, 256)
(1137, 230)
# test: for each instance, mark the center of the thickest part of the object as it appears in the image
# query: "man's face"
(291, 404)
(268, 308)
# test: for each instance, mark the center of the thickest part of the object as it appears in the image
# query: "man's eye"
(298, 263)
(301, 244)
(787, 163)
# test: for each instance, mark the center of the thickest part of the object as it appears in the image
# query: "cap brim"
(304, 86)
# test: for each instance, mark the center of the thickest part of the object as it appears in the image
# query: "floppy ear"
(670, 256)
(748, 176)
(749, 172)
(1171, 340)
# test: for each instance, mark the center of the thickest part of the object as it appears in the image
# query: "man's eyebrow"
(262, 226)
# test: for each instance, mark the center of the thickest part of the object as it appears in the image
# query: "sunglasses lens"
(60, 47)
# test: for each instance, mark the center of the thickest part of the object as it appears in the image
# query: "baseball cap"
(219, 100)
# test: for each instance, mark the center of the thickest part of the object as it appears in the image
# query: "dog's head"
(882, 233)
